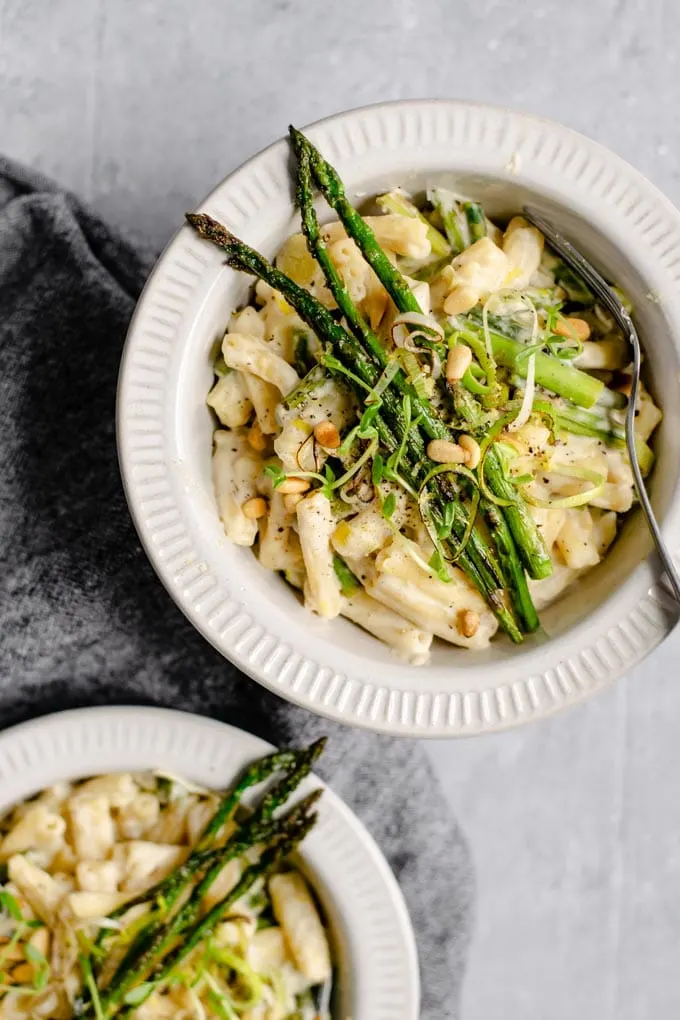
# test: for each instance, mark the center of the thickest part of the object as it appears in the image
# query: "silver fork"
(609, 299)
(323, 1000)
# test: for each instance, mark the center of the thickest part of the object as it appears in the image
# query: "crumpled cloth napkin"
(83, 618)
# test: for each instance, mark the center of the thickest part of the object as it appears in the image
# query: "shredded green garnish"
(39, 962)
(349, 583)
(15, 939)
(329, 361)
(10, 905)
(389, 506)
(136, 996)
(276, 473)
(91, 985)
(220, 367)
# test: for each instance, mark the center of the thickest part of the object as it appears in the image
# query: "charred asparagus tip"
(210, 229)
(311, 799)
(318, 747)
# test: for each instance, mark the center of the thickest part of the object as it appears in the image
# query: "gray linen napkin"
(83, 618)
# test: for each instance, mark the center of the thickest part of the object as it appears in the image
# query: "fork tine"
(573, 257)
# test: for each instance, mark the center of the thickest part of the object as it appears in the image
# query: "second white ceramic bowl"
(592, 635)
(374, 945)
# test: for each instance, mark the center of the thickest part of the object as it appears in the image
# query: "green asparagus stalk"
(599, 424)
(532, 550)
(512, 566)
(301, 393)
(557, 376)
(586, 423)
(397, 202)
(296, 763)
(278, 796)
(240, 256)
(134, 968)
(582, 423)
(432, 424)
(304, 360)
(257, 827)
(476, 219)
(334, 193)
(479, 562)
(289, 760)
(519, 520)
(577, 290)
(429, 270)
(448, 211)
(611, 400)
(205, 928)
(299, 764)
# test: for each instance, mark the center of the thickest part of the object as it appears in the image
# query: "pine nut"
(22, 974)
(458, 362)
(292, 485)
(291, 501)
(254, 508)
(327, 434)
(16, 953)
(472, 451)
(572, 328)
(445, 452)
(468, 622)
(256, 438)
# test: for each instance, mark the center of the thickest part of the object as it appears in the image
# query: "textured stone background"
(141, 106)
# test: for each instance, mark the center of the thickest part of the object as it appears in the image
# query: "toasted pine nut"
(292, 485)
(327, 434)
(256, 438)
(458, 362)
(22, 974)
(255, 507)
(16, 953)
(572, 328)
(445, 452)
(468, 622)
(291, 500)
(472, 451)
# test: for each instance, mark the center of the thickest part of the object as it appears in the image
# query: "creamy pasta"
(431, 473)
(89, 872)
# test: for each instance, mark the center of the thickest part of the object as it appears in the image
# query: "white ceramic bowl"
(372, 935)
(602, 626)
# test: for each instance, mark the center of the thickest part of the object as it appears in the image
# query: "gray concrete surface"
(140, 106)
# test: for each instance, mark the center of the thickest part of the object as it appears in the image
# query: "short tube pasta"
(432, 605)
(279, 544)
(394, 630)
(264, 397)
(296, 912)
(236, 471)
(255, 356)
(315, 527)
(230, 400)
